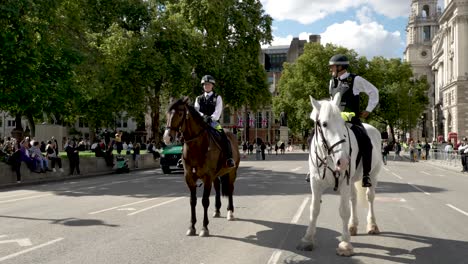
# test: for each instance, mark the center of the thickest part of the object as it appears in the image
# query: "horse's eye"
(324, 124)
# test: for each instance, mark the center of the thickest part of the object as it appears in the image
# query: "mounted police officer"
(210, 106)
(350, 86)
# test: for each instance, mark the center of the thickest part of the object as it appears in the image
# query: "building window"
(258, 122)
(427, 33)
(425, 11)
(82, 123)
(227, 116)
(11, 123)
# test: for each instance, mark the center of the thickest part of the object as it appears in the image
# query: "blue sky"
(371, 27)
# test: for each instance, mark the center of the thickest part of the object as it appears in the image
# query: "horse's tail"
(361, 194)
(225, 184)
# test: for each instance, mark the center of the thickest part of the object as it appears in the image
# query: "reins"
(329, 153)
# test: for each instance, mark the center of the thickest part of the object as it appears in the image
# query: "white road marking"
(163, 203)
(398, 176)
(296, 169)
(419, 189)
(277, 253)
(30, 249)
(22, 242)
(115, 207)
(25, 198)
(427, 173)
(386, 169)
(13, 195)
(459, 210)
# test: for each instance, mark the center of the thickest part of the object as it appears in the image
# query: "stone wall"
(89, 166)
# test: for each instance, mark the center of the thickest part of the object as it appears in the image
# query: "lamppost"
(195, 82)
(410, 94)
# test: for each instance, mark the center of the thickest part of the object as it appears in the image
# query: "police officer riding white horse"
(210, 106)
(350, 85)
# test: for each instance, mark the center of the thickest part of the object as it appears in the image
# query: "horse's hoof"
(305, 246)
(191, 232)
(352, 230)
(216, 214)
(373, 230)
(204, 232)
(345, 249)
(230, 216)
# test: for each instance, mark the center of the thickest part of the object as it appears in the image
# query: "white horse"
(332, 163)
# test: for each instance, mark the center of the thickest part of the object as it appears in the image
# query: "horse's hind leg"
(372, 227)
(206, 203)
(227, 186)
(353, 219)
(217, 186)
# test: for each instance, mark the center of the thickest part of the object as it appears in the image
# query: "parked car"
(171, 158)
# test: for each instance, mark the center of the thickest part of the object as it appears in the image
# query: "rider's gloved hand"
(207, 119)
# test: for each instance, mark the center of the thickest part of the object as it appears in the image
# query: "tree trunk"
(32, 124)
(155, 104)
(18, 132)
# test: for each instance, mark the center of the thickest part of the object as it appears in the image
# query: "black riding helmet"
(208, 78)
(341, 62)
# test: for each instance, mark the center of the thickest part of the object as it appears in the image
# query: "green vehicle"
(171, 156)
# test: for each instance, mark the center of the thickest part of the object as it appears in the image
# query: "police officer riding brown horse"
(205, 156)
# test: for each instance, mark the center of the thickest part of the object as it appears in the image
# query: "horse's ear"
(337, 99)
(186, 99)
(315, 104)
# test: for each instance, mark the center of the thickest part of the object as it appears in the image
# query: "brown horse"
(203, 158)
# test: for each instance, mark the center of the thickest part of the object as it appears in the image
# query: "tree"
(37, 58)
(309, 75)
(230, 34)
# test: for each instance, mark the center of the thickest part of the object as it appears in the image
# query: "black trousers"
(56, 160)
(364, 144)
(227, 145)
(464, 157)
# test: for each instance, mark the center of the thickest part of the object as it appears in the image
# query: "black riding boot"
(365, 147)
(229, 160)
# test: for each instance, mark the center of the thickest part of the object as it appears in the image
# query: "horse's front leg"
(372, 227)
(193, 203)
(307, 242)
(345, 248)
(217, 187)
(206, 203)
(353, 220)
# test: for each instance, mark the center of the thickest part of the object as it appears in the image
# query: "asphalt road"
(142, 217)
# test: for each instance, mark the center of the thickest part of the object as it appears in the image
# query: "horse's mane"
(326, 106)
(331, 108)
(192, 111)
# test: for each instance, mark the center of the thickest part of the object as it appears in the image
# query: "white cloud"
(364, 15)
(368, 39)
(306, 11)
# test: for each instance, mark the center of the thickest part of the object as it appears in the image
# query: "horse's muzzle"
(167, 137)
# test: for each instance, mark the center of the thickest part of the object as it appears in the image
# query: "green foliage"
(309, 75)
(96, 59)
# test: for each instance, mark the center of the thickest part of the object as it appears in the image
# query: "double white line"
(138, 202)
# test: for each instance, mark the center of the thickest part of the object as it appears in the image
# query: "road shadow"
(65, 221)
(435, 250)
(251, 181)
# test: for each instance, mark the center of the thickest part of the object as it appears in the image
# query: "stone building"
(263, 124)
(437, 48)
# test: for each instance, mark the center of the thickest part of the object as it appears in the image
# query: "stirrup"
(366, 182)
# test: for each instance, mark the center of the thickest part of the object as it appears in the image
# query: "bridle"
(181, 127)
(329, 152)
